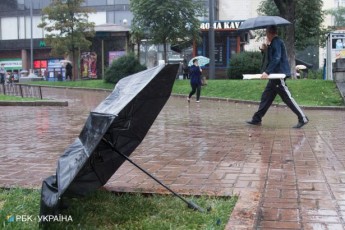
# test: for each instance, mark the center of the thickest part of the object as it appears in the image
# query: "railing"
(21, 90)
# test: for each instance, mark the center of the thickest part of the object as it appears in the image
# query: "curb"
(340, 108)
(33, 103)
(74, 88)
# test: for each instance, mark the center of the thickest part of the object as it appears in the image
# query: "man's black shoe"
(254, 122)
(300, 124)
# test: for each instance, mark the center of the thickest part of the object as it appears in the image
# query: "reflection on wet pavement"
(286, 178)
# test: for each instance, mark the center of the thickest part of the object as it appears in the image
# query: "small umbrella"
(64, 62)
(111, 133)
(201, 60)
(298, 67)
(261, 22)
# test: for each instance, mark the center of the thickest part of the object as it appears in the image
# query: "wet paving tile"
(285, 178)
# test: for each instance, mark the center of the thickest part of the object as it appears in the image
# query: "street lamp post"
(211, 70)
(31, 72)
(31, 40)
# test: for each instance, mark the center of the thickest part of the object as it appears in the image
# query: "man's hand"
(264, 75)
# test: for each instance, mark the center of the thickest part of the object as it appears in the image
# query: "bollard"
(20, 90)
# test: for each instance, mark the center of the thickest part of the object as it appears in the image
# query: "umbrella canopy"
(65, 62)
(201, 60)
(261, 22)
(298, 67)
(123, 119)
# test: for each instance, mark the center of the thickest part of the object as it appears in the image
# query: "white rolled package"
(258, 76)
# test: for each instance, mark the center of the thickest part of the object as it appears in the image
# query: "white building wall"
(238, 9)
(9, 28)
(36, 32)
(241, 10)
(13, 28)
(21, 27)
(98, 18)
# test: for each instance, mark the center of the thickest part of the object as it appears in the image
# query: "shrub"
(244, 63)
(315, 74)
(123, 67)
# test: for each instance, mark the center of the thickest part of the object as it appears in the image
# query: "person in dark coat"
(2, 73)
(69, 71)
(277, 62)
(185, 69)
(195, 80)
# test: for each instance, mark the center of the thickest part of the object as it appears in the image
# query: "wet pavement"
(285, 178)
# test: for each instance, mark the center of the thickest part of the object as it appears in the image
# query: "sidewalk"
(286, 178)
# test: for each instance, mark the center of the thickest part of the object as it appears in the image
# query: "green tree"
(306, 17)
(338, 14)
(123, 67)
(244, 63)
(66, 22)
(167, 21)
(136, 36)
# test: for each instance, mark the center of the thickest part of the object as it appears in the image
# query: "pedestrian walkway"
(285, 178)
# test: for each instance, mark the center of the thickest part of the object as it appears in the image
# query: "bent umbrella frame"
(110, 134)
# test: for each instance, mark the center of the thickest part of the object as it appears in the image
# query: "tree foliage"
(67, 25)
(306, 19)
(167, 21)
(338, 14)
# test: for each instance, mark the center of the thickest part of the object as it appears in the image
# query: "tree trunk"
(138, 49)
(287, 10)
(165, 52)
(75, 69)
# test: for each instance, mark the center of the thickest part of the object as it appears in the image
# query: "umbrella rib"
(190, 204)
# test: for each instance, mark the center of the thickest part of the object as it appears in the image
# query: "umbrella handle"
(189, 203)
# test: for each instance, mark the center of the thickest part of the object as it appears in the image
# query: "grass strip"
(19, 209)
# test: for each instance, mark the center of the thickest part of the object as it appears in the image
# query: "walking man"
(277, 62)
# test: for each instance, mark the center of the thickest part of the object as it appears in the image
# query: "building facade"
(19, 34)
(18, 28)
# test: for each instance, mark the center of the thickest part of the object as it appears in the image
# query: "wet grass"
(105, 210)
(16, 98)
(305, 92)
(308, 92)
(95, 84)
